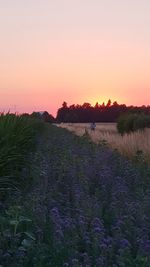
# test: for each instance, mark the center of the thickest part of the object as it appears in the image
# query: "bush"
(141, 122)
(126, 123)
(132, 122)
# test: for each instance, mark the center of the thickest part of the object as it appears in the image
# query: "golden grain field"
(127, 144)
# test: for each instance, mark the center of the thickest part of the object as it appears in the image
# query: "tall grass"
(17, 139)
(128, 144)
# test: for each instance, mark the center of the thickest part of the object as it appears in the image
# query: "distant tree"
(98, 113)
(71, 117)
(115, 103)
(108, 103)
(35, 115)
(86, 105)
(96, 105)
(72, 106)
(132, 122)
(45, 116)
(64, 104)
(48, 117)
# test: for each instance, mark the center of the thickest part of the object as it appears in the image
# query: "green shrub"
(132, 122)
(126, 123)
(142, 121)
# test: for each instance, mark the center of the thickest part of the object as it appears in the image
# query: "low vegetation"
(17, 140)
(132, 122)
(88, 207)
(86, 204)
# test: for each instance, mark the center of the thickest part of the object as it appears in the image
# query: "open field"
(128, 144)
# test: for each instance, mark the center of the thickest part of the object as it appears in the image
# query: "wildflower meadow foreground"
(87, 206)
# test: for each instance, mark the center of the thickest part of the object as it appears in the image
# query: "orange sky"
(83, 51)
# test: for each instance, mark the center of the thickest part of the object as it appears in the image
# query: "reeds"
(17, 139)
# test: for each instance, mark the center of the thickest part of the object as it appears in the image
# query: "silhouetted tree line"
(98, 113)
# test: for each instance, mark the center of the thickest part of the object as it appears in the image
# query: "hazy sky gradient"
(73, 50)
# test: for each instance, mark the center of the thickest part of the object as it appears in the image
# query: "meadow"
(85, 206)
(128, 145)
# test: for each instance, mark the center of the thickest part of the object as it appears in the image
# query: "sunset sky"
(73, 50)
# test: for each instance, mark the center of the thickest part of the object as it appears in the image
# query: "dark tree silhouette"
(108, 103)
(45, 116)
(98, 113)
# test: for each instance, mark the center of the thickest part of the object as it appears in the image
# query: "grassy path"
(89, 207)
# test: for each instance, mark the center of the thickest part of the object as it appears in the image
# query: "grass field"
(128, 144)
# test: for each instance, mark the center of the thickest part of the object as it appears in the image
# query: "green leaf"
(23, 219)
(29, 235)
